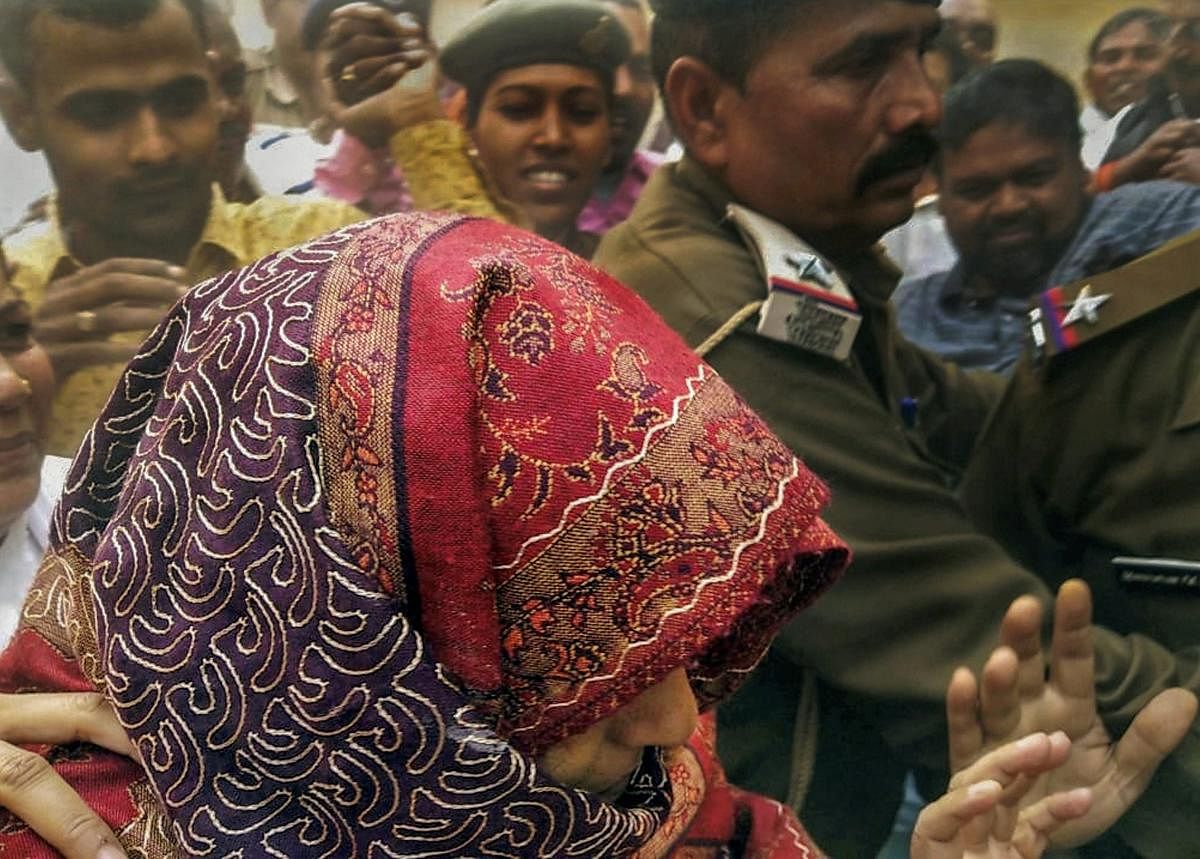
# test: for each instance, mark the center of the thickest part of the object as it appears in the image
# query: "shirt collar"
(220, 236)
(869, 275)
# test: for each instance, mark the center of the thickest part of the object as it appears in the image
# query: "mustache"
(915, 149)
(1030, 221)
(148, 179)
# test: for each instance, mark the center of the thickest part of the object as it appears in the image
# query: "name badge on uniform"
(808, 304)
(1158, 575)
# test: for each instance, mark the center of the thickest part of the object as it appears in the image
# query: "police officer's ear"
(16, 106)
(701, 104)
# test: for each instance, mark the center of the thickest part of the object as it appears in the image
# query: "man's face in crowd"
(633, 88)
(229, 73)
(1124, 62)
(1012, 203)
(832, 130)
(128, 125)
(974, 23)
(1183, 45)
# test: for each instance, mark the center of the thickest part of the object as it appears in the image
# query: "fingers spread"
(1000, 700)
(962, 719)
(1072, 657)
(1021, 630)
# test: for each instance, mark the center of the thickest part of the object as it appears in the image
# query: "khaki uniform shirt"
(1094, 454)
(235, 234)
(926, 589)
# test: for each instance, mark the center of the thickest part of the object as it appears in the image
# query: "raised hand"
(1148, 160)
(368, 52)
(33, 791)
(981, 815)
(80, 312)
(1184, 166)
(1019, 697)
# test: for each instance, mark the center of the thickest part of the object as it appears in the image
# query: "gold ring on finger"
(348, 75)
(85, 321)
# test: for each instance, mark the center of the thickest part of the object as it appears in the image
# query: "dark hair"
(1157, 23)
(728, 36)
(17, 16)
(1011, 92)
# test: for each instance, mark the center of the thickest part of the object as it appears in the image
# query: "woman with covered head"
(426, 538)
(535, 132)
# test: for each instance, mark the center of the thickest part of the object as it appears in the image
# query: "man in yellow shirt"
(119, 96)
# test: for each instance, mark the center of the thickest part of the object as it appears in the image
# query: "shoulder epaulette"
(1066, 317)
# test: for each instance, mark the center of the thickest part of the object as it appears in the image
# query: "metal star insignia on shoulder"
(1054, 320)
(1086, 306)
(808, 305)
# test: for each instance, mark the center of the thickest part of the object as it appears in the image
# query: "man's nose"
(913, 101)
(1009, 200)
(622, 82)
(151, 142)
(1126, 62)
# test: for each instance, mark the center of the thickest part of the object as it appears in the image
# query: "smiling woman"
(542, 134)
(539, 83)
(538, 78)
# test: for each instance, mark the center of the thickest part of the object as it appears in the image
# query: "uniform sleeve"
(439, 173)
(926, 589)
(1003, 491)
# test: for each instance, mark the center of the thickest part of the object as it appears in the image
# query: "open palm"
(1019, 697)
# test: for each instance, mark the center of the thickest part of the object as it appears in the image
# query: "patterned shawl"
(365, 506)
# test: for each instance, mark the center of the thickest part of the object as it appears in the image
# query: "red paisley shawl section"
(593, 433)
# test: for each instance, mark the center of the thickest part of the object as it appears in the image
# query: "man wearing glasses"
(1159, 138)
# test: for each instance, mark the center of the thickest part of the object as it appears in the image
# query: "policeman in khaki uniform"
(807, 125)
(1090, 468)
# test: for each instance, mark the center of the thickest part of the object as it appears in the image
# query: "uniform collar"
(869, 274)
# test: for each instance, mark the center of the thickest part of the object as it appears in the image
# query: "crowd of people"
(417, 449)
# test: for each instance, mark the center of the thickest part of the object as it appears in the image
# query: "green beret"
(508, 34)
